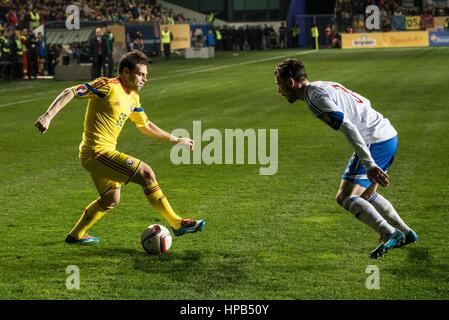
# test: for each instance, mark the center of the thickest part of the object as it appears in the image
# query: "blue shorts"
(383, 154)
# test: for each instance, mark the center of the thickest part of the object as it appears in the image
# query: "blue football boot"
(395, 240)
(189, 226)
(86, 239)
(410, 237)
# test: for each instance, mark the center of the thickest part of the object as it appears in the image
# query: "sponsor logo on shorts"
(129, 162)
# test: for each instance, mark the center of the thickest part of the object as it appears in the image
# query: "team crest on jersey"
(129, 162)
(81, 90)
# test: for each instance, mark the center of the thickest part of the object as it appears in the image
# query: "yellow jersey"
(110, 105)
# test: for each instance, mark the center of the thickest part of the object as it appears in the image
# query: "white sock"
(386, 209)
(365, 212)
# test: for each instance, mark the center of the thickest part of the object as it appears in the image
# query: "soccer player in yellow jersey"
(111, 101)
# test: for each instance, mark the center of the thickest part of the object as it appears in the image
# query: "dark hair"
(131, 59)
(291, 68)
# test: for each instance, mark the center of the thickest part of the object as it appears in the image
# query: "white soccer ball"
(156, 239)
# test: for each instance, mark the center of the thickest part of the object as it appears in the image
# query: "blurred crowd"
(351, 13)
(23, 54)
(30, 14)
(251, 37)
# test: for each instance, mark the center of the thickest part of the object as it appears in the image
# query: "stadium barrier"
(385, 39)
(78, 72)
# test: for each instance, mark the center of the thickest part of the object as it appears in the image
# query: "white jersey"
(351, 113)
(323, 97)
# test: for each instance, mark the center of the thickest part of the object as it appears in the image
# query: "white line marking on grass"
(232, 65)
(189, 69)
(199, 69)
(17, 88)
(45, 94)
(20, 102)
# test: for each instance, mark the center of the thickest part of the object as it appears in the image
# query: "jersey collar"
(123, 87)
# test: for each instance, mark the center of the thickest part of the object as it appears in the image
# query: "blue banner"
(149, 35)
(439, 39)
(198, 34)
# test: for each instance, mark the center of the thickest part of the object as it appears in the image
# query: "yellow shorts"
(110, 169)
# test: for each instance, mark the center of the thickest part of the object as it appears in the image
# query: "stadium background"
(279, 237)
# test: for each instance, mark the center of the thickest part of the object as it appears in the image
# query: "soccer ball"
(156, 239)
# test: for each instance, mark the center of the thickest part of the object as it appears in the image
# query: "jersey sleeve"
(138, 115)
(354, 137)
(325, 108)
(97, 88)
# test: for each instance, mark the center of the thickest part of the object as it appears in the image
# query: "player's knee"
(108, 204)
(111, 205)
(366, 195)
(110, 200)
(147, 176)
(340, 198)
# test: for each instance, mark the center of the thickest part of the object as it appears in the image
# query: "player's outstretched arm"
(43, 122)
(154, 131)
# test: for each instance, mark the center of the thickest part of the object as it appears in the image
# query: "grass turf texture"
(267, 237)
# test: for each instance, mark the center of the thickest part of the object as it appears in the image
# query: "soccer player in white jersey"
(374, 141)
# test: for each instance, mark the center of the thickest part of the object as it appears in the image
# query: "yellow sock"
(160, 203)
(90, 216)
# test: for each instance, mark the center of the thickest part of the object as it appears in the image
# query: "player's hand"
(43, 123)
(186, 142)
(376, 174)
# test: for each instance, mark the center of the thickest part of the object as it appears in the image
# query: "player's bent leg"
(109, 170)
(146, 177)
(91, 215)
(386, 209)
(110, 199)
(348, 189)
(350, 198)
(368, 193)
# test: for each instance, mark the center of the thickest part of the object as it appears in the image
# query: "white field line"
(201, 70)
(232, 65)
(18, 88)
(45, 95)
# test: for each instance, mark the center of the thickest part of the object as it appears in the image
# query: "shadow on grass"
(418, 254)
(197, 270)
(421, 264)
(192, 267)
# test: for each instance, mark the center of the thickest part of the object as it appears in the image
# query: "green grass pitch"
(267, 237)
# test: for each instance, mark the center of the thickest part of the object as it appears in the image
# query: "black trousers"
(167, 50)
(32, 66)
(110, 69)
(97, 67)
(6, 70)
